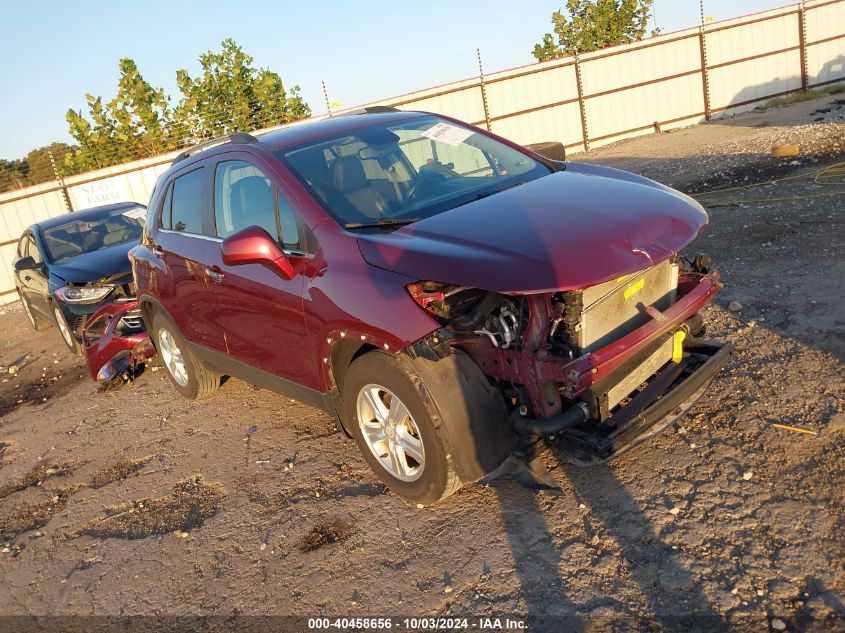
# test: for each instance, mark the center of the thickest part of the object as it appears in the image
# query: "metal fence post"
(326, 95)
(483, 91)
(65, 194)
(581, 105)
(705, 81)
(802, 44)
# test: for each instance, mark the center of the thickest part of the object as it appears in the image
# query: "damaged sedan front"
(71, 265)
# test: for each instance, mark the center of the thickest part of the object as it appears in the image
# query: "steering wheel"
(428, 176)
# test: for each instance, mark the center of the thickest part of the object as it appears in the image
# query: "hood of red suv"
(567, 230)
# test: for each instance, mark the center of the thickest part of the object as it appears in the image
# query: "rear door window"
(185, 198)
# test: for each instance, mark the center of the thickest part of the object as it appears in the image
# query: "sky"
(56, 52)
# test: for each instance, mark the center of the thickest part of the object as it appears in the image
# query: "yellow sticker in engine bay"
(634, 288)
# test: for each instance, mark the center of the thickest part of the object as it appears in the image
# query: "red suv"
(449, 295)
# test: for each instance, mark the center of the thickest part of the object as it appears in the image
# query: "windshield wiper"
(381, 222)
(485, 194)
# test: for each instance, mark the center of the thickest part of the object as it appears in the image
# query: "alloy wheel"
(389, 431)
(67, 335)
(172, 357)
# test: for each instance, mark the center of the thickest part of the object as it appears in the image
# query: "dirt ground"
(136, 502)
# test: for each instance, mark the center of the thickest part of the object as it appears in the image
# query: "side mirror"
(253, 245)
(26, 263)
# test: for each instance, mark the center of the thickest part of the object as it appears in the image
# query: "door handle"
(214, 274)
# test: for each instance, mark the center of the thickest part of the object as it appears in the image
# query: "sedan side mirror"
(253, 245)
(26, 263)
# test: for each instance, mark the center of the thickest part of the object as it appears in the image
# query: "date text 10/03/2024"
(417, 624)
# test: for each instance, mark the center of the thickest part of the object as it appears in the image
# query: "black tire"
(197, 381)
(37, 323)
(65, 332)
(438, 478)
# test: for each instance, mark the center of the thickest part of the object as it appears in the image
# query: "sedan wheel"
(391, 434)
(64, 329)
(172, 357)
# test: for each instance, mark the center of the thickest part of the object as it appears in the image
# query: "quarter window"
(292, 229)
(32, 249)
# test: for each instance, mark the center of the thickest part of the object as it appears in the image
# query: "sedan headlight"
(83, 294)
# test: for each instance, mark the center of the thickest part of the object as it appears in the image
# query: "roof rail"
(370, 110)
(236, 137)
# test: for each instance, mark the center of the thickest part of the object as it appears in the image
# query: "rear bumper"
(668, 396)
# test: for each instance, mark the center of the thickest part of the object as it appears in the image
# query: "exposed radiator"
(596, 316)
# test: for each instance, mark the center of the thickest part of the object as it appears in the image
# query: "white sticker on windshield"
(449, 134)
(136, 214)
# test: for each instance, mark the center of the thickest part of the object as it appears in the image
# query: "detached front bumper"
(116, 340)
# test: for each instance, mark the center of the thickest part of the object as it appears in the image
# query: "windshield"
(85, 236)
(390, 174)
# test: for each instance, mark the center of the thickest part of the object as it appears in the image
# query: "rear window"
(182, 209)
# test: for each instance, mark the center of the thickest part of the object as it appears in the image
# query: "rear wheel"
(394, 430)
(190, 377)
(64, 329)
(35, 321)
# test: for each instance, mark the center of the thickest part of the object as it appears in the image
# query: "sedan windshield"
(75, 237)
(391, 174)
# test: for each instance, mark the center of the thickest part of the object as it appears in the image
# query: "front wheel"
(186, 372)
(395, 432)
(64, 329)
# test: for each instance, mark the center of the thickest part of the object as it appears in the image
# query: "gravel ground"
(136, 502)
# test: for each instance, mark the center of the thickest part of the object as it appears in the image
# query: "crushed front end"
(116, 342)
(603, 367)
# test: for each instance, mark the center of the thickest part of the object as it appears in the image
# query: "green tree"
(230, 95)
(132, 125)
(140, 113)
(13, 174)
(589, 25)
(38, 160)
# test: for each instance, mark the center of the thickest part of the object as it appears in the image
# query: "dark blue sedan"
(69, 266)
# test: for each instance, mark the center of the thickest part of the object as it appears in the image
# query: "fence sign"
(100, 192)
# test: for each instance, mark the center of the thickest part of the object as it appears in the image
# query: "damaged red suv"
(449, 295)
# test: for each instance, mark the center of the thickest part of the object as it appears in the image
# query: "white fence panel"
(772, 31)
(560, 123)
(826, 62)
(643, 62)
(824, 20)
(757, 79)
(621, 114)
